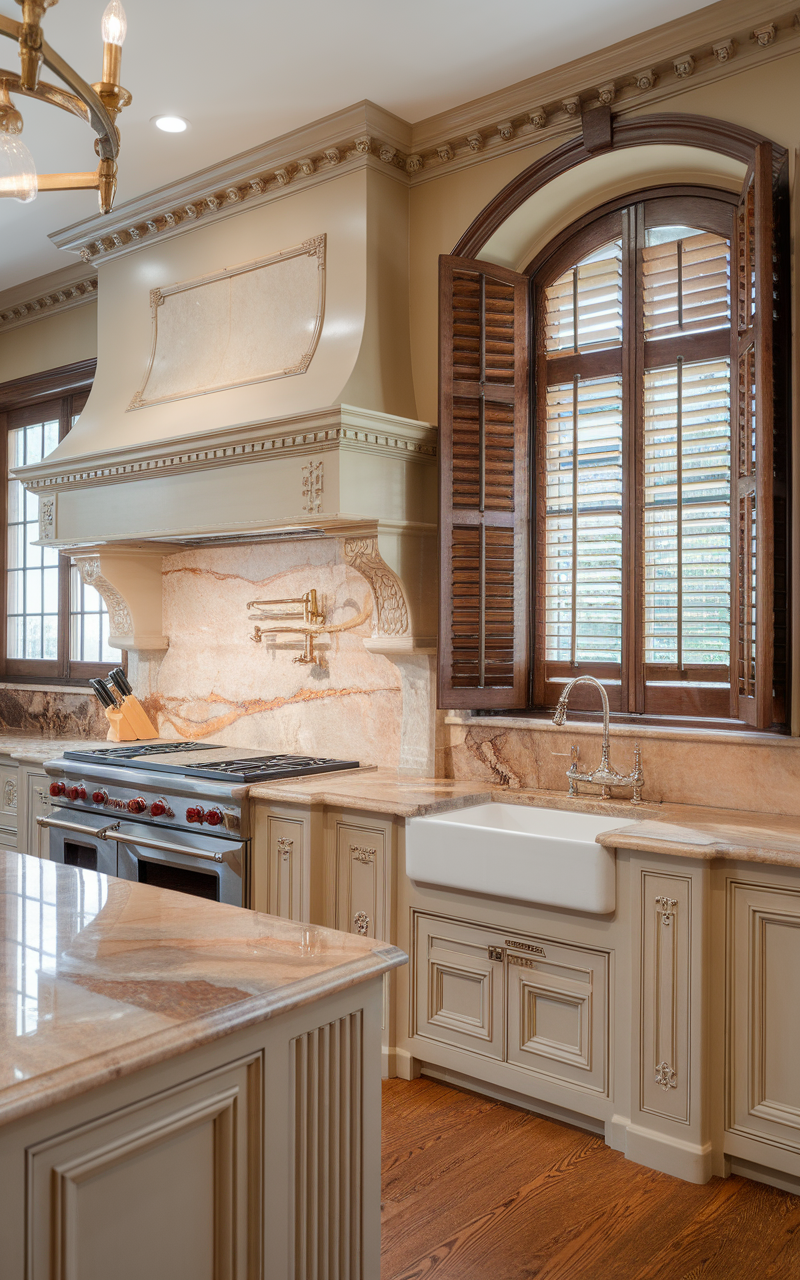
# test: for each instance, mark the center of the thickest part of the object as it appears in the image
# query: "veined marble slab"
(104, 976)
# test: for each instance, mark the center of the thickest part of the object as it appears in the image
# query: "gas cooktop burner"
(212, 760)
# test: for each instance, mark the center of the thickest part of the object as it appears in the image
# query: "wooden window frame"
(766, 164)
(631, 693)
(66, 389)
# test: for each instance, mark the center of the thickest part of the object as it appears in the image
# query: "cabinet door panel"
(665, 995)
(764, 984)
(8, 806)
(557, 1013)
(361, 880)
(38, 805)
(458, 988)
(166, 1188)
(286, 859)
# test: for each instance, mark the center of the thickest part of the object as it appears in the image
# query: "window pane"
(89, 624)
(32, 592)
(687, 514)
(687, 286)
(584, 541)
(596, 283)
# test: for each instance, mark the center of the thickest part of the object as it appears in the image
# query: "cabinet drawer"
(558, 1012)
(361, 879)
(458, 987)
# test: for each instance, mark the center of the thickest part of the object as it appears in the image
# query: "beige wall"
(49, 343)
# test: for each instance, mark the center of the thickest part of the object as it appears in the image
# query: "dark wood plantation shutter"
(756, 693)
(484, 485)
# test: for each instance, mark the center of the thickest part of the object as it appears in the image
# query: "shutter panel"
(484, 485)
(752, 404)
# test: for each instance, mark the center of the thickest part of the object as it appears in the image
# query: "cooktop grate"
(245, 768)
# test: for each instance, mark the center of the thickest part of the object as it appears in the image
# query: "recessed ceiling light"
(171, 124)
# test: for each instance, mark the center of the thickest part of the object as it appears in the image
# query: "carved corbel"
(398, 619)
(129, 581)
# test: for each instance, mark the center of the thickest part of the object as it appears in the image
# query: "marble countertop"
(29, 748)
(105, 976)
(687, 831)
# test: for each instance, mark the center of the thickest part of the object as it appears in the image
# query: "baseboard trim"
(687, 1160)
(552, 1112)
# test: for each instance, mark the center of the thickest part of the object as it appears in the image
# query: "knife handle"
(120, 681)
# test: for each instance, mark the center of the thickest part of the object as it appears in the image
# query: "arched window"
(614, 464)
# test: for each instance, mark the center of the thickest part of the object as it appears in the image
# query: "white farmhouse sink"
(546, 856)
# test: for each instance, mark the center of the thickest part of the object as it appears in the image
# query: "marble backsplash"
(732, 771)
(215, 681)
(50, 713)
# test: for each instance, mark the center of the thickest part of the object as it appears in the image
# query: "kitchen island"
(187, 1089)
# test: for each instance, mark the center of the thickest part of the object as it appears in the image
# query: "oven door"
(80, 840)
(186, 862)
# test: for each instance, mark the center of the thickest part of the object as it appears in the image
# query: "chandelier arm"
(48, 93)
(96, 114)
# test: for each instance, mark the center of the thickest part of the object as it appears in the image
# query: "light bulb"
(114, 23)
(18, 179)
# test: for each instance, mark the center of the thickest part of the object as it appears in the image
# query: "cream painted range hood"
(254, 377)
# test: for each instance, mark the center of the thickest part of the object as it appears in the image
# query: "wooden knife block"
(129, 723)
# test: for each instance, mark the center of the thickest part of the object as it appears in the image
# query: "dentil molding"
(37, 299)
(718, 41)
(316, 431)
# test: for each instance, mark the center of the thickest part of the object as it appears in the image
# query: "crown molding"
(358, 137)
(317, 431)
(36, 299)
(716, 42)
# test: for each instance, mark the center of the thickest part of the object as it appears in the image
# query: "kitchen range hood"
(253, 377)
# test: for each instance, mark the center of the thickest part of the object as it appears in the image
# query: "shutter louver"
(753, 526)
(484, 484)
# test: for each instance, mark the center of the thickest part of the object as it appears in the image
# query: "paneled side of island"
(187, 1090)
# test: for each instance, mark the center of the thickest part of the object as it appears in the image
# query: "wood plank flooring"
(475, 1190)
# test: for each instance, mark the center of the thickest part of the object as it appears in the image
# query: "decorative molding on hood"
(361, 135)
(717, 41)
(303, 433)
(37, 299)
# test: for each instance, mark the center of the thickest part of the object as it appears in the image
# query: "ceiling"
(245, 74)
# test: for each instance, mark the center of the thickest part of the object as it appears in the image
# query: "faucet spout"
(604, 775)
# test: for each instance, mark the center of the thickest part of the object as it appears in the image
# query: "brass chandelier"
(98, 105)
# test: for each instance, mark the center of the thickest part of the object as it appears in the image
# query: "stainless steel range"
(172, 814)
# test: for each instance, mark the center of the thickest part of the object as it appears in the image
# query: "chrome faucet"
(604, 775)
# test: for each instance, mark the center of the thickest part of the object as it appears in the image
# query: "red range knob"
(57, 789)
(157, 808)
(137, 806)
(195, 813)
(213, 817)
(99, 797)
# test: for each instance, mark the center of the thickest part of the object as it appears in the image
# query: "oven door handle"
(99, 833)
(135, 839)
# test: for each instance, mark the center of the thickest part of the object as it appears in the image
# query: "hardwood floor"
(475, 1190)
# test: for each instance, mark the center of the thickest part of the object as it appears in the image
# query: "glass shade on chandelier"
(99, 104)
(18, 179)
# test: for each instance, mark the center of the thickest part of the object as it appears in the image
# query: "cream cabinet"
(9, 791)
(535, 1004)
(360, 862)
(198, 1144)
(762, 1115)
(34, 801)
(287, 872)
